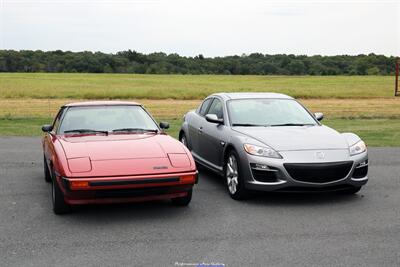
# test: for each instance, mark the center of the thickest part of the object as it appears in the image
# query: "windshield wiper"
(86, 131)
(292, 124)
(135, 130)
(249, 125)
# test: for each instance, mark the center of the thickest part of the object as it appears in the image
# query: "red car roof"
(102, 103)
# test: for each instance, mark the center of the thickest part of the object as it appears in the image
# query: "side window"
(204, 107)
(216, 108)
(56, 122)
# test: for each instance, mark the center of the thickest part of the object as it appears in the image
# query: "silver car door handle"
(200, 130)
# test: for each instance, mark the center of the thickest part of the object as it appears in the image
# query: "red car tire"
(47, 175)
(57, 197)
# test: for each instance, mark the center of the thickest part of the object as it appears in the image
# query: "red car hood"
(124, 154)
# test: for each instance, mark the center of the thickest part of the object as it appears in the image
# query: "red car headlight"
(179, 160)
(80, 165)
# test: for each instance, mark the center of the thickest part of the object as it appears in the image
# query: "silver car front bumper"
(284, 180)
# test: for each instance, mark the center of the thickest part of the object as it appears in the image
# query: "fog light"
(259, 166)
(264, 173)
(79, 184)
(362, 164)
(361, 170)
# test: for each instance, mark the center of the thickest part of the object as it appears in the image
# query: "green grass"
(375, 132)
(122, 86)
(22, 126)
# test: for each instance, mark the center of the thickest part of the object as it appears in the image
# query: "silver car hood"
(287, 138)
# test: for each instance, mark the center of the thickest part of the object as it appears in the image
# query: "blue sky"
(211, 28)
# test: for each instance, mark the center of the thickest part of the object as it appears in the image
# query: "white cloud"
(213, 28)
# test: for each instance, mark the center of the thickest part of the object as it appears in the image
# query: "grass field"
(363, 105)
(121, 86)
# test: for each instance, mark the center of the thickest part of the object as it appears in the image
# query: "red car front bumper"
(96, 190)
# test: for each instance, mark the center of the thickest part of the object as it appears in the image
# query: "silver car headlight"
(358, 148)
(262, 151)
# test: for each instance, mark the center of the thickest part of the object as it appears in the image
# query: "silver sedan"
(270, 142)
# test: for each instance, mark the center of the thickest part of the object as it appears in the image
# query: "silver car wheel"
(232, 174)
(183, 141)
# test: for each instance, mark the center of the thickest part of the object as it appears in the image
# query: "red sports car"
(106, 152)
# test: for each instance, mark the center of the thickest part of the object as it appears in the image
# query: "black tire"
(241, 192)
(351, 191)
(47, 175)
(183, 201)
(57, 197)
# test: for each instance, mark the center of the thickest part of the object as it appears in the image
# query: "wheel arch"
(188, 141)
(182, 132)
(228, 148)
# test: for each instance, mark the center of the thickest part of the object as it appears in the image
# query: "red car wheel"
(57, 198)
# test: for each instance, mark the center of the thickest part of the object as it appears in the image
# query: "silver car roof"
(243, 95)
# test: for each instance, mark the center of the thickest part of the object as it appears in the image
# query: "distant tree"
(107, 69)
(296, 67)
(131, 61)
(373, 71)
(200, 56)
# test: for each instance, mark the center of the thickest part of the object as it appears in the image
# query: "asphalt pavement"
(267, 230)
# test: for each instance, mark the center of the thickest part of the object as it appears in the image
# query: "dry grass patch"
(175, 109)
(40, 108)
(356, 108)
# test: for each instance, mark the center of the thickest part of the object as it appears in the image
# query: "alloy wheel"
(232, 175)
(183, 141)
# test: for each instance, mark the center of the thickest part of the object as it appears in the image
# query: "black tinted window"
(216, 108)
(204, 106)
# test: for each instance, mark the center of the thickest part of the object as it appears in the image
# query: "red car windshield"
(106, 119)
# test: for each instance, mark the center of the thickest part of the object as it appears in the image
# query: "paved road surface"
(269, 230)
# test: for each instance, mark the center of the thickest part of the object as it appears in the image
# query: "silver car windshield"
(268, 112)
(106, 119)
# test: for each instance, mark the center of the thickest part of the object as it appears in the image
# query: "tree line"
(160, 63)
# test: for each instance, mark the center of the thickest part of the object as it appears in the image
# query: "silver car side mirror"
(214, 119)
(319, 116)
